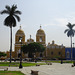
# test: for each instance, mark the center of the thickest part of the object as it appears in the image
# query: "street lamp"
(61, 54)
(20, 40)
(73, 55)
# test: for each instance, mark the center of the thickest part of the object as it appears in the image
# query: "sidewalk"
(54, 69)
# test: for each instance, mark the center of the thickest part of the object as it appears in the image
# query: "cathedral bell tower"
(40, 37)
(19, 33)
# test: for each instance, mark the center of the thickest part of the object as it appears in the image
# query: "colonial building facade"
(40, 38)
(52, 50)
(68, 53)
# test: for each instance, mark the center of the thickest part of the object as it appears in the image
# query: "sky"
(53, 15)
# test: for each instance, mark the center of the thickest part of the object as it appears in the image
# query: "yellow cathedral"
(51, 51)
(40, 38)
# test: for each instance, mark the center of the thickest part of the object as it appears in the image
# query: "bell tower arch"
(40, 37)
(19, 33)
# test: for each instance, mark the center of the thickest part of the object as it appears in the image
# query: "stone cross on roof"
(40, 26)
(30, 36)
(20, 26)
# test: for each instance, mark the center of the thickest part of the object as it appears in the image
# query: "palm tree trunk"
(10, 43)
(71, 48)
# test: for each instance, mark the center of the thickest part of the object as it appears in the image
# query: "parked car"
(8, 59)
(18, 59)
(39, 59)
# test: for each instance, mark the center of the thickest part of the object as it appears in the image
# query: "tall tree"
(33, 48)
(70, 33)
(10, 20)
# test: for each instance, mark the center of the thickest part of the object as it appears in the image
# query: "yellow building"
(52, 50)
(30, 40)
(19, 33)
(40, 37)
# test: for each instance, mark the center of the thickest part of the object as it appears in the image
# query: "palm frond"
(13, 8)
(74, 31)
(17, 17)
(8, 8)
(66, 30)
(10, 21)
(17, 12)
(69, 25)
(70, 33)
(73, 25)
(4, 12)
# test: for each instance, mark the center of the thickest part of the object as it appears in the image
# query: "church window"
(68, 54)
(20, 39)
(19, 51)
(59, 53)
(57, 46)
(48, 46)
(51, 53)
(53, 47)
(40, 39)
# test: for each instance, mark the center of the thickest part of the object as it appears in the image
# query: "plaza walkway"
(54, 69)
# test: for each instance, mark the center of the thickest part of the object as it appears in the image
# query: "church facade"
(40, 38)
(52, 50)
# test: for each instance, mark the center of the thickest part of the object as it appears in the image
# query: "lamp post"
(73, 55)
(20, 40)
(61, 54)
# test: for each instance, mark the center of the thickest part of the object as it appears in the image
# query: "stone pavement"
(54, 69)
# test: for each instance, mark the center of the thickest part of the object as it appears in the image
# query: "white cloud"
(61, 21)
(57, 22)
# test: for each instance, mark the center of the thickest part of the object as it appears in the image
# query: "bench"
(34, 72)
(5, 68)
(72, 65)
(13, 65)
(48, 63)
(37, 65)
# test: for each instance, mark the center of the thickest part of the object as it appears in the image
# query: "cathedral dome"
(30, 40)
(20, 31)
(40, 31)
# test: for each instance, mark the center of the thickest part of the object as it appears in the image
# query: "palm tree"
(70, 33)
(10, 20)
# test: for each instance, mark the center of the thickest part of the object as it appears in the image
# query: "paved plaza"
(54, 69)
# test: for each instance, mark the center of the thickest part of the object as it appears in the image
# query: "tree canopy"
(70, 31)
(2, 54)
(10, 20)
(33, 48)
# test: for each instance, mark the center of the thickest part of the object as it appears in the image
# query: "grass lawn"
(17, 63)
(32, 64)
(59, 61)
(11, 73)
